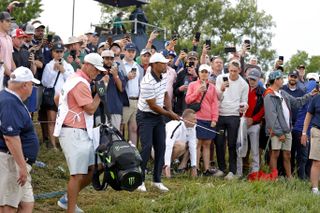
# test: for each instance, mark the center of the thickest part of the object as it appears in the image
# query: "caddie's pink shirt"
(6, 49)
(78, 97)
(209, 110)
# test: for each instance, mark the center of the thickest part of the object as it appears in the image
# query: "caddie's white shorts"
(78, 150)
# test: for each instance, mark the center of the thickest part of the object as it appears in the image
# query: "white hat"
(96, 60)
(205, 67)
(29, 29)
(37, 25)
(107, 53)
(313, 75)
(158, 57)
(72, 40)
(144, 51)
(23, 74)
(101, 44)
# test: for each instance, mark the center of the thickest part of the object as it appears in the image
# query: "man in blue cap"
(277, 105)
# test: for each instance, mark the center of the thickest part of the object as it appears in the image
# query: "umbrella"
(123, 3)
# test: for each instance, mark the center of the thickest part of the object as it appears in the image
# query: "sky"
(296, 22)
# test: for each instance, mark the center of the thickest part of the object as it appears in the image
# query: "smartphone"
(20, 4)
(197, 37)
(225, 78)
(230, 50)
(134, 70)
(208, 43)
(60, 61)
(190, 64)
(281, 58)
(49, 38)
(247, 41)
(175, 37)
(73, 53)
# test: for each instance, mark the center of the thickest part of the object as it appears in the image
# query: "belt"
(28, 161)
(66, 126)
(134, 98)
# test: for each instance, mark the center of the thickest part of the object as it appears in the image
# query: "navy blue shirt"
(15, 120)
(314, 109)
(295, 93)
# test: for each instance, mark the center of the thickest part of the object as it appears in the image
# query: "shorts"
(78, 150)
(278, 145)
(315, 144)
(129, 113)
(11, 193)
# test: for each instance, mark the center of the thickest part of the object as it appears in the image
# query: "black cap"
(5, 16)
(57, 46)
(294, 73)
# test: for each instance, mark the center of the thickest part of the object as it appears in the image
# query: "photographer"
(73, 55)
(187, 75)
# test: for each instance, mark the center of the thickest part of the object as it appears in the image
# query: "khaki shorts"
(11, 194)
(129, 113)
(78, 150)
(278, 145)
(315, 144)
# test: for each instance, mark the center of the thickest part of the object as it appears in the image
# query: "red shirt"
(252, 100)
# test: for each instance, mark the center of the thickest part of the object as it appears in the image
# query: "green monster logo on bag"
(131, 180)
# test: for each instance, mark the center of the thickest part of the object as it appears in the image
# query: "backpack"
(120, 159)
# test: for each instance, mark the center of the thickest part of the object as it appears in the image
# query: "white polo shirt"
(152, 87)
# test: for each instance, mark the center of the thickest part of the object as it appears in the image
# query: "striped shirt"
(152, 87)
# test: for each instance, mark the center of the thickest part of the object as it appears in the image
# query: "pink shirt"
(6, 49)
(171, 78)
(210, 105)
(78, 97)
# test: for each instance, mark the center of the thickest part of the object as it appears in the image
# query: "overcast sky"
(297, 21)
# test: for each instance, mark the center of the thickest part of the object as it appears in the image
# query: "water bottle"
(40, 164)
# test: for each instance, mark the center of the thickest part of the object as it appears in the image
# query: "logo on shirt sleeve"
(9, 129)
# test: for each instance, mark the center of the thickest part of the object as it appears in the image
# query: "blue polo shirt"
(16, 121)
(314, 109)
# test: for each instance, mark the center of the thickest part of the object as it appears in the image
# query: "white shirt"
(49, 75)
(132, 87)
(285, 109)
(177, 131)
(233, 96)
(151, 87)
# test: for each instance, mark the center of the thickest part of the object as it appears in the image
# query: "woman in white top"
(57, 66)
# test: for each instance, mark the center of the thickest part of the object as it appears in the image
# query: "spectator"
(74, 126)
(138, 14)
(92, 43)
(233, 95)
(201, 91)
(145, 55)
(151, 104)
(301, 78)
(29, 31)
(217, 68)
(73, 54)
(118, 28)
(181, 135)
(102, 46)
(277, 105)
(19, 144)
(54, 76)
(133, 74)
(6, 47)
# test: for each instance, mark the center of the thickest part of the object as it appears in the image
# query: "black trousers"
(231, 125)
(152, 133)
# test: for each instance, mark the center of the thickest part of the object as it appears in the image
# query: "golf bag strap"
(96, 176)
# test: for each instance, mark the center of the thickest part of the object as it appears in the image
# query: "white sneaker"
(230, 176)
(63, 203)
(142, 188)
(160, 186)
(218, 173)
(315, 191)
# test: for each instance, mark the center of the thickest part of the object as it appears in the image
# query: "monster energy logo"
(131, 180)
(101, 90)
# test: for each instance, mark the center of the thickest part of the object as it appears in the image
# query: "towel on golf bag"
(242, 140)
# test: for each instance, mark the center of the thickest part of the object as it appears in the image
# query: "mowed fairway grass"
(186, 194)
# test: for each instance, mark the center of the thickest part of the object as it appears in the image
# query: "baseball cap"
(18, 33)
(301, 66)
(144, 51)
(5, 16)
(29, 29)
(205, 67)
(312, 75)
(56, 39)
(101, 44)
(38, 25)
(158, 57)
(130, 46)
(192, 54)
(254, 74)
(275, 74)
(72, 40)
(107, 53)
(57, 46)
(294, 72)
(23, 74)
(96, 60)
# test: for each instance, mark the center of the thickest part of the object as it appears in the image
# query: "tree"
(314, 65)
(301, 57)
(223, 21)
(31, 10)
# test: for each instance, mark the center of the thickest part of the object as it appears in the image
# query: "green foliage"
(302, 57)
(31, 10)
(225, 22)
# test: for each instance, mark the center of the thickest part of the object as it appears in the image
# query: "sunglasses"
(108, 58)
(204, 71)
(293, 76)
(58, 51)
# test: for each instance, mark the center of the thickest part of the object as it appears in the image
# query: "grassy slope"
(186, 194)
